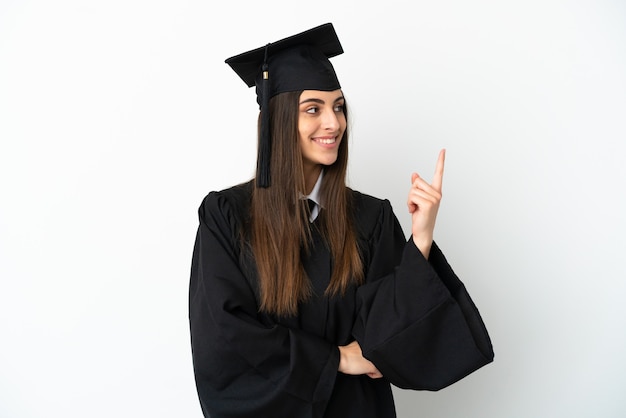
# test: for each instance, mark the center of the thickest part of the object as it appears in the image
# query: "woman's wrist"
(344, 359)
(423, 244)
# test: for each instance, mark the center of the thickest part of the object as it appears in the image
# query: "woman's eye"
(312, 110)
(339, 108)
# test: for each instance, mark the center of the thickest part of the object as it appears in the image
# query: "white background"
(117, 117)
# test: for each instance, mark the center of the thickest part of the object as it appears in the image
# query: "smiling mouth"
(326, 140)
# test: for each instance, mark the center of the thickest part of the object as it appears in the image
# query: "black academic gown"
(412, 317)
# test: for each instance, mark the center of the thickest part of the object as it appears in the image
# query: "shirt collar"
(315, 193)
(315, 197)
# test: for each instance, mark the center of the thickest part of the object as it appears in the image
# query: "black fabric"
(298, 62)
(412, 317)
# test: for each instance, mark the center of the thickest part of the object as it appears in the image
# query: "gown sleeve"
(416, 321)
(245, 366)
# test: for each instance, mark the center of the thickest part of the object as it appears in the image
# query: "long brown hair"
(280, 228)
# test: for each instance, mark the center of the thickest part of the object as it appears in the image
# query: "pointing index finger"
(438, 178)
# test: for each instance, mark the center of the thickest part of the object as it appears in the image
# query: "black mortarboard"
(299, 62)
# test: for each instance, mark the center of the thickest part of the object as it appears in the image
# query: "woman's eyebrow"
(313, 100)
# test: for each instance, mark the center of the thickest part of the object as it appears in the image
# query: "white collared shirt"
(315, 197)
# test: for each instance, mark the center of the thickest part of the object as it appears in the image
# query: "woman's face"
(321, 124)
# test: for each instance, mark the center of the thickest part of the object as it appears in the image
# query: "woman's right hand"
(351, 361)
(423, 205)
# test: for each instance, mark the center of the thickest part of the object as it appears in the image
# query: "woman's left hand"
(423, 203)
(351, 361)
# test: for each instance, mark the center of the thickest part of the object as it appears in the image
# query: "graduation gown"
(412, 317)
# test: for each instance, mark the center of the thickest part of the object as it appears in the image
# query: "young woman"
(306, 299)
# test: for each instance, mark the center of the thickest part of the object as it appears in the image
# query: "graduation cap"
(299, 62)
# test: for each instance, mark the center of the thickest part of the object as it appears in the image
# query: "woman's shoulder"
(232, 201)
(237, 193)
(370, 211)
(366, 202)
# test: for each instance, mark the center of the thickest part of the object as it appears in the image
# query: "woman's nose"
(330, 120)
